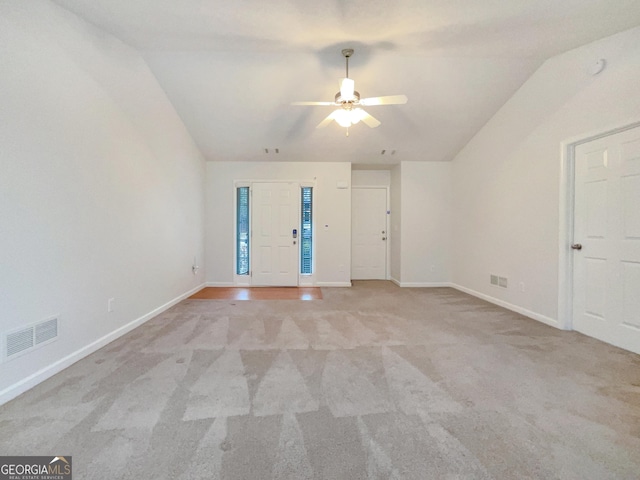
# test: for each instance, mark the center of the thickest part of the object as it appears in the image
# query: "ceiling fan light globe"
(357, 114)
(347, 89)
(343, 118)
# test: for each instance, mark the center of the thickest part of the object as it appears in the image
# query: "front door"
(606, 281)
(274, 250)
(368, 233)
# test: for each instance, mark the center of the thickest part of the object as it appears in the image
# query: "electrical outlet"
(502, 282)
(494, 280)
(110, 304)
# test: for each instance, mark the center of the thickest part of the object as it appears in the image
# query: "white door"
(368, 233)
(606, 272)
(274, 251)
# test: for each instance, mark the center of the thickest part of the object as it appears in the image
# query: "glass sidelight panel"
(306, 237)
(242, 230)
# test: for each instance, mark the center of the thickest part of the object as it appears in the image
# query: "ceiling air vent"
(30, 337)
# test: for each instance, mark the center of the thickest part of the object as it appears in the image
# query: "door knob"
(576, 246)
(384, 238)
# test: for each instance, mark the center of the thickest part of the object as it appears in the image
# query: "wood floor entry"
(258, 293)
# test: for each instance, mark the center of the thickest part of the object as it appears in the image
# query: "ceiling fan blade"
(388, 100)
(370, 121)
(313, 103)
(327, 120)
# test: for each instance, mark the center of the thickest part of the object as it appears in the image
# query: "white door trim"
(245, 280)
(387, 274)
(566, 206)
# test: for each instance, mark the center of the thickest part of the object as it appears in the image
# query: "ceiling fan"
(349, 103)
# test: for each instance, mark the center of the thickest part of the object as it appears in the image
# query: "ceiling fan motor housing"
(345, 103)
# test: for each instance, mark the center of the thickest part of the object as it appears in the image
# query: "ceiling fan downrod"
(347, 52)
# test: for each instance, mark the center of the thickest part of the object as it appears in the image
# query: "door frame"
(566, 206)
(245, 280)
(387, 266)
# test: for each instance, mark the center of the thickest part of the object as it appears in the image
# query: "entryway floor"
(258, 293)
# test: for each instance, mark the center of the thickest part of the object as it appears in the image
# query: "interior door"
(274, 250)
(606, 281)
(368, 233)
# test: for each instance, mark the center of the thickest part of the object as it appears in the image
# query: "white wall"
(102, 188)
(506, 181)
(395, 236)
(332, 215)
(370, 178)
(426, 223)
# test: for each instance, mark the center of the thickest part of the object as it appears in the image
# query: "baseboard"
(508, 306)
(333, 284)
(40, 376)
(396, 281)
(222, 284)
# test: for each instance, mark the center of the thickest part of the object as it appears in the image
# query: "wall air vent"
(45, 331)
(29, 338)
(498, 281)
(19, 341)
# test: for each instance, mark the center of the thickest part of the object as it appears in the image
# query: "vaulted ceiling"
(232, 68)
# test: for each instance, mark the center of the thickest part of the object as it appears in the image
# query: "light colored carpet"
(373, 382)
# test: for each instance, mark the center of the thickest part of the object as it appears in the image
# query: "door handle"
(577, 246)
(384, 238)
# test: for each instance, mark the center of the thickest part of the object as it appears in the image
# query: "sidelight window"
(242, 230)
(306, 237)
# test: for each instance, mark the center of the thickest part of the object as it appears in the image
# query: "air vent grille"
(19, 341)
(30, 337)
(46, 331)
(502, 282)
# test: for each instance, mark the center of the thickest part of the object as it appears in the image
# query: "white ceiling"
(231, 68)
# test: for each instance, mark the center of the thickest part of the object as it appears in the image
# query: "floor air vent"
(30, 337)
